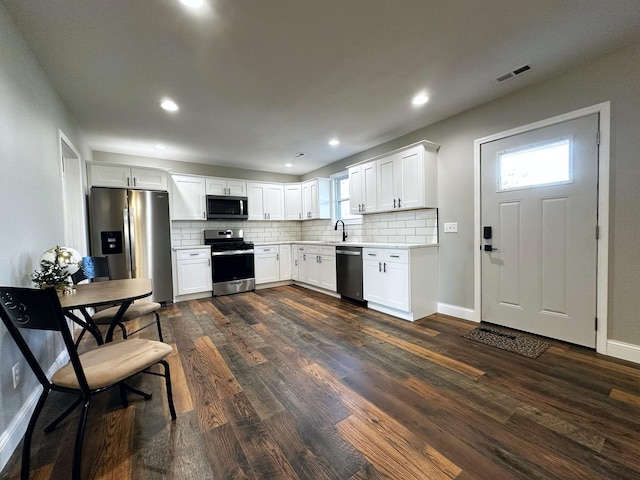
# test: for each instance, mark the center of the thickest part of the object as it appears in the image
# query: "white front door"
(539, 193)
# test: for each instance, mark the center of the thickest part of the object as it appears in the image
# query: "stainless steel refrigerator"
(132, 229)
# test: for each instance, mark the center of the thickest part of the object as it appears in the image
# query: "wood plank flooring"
(287, 383)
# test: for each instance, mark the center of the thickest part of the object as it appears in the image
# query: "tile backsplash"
(188, 233)
(414, 226)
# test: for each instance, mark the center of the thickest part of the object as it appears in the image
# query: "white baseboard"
(11, 437)
(455, 311)
(623, 351)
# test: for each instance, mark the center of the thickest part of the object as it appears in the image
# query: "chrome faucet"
(344, 234)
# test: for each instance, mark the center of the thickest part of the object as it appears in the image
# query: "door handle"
(489, 248)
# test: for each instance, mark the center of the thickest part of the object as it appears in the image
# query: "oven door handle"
(231, 252)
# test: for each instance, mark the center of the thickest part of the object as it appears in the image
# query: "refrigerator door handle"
(127, 239)
(132, 240)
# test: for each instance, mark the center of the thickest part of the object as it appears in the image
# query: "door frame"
(602, 277)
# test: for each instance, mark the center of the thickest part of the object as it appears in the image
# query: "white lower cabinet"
(272, 263)
(193, 270)
(267, 264)
(285, 262)
(319, 264)
(401, 282)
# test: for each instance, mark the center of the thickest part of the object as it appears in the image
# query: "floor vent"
(513, 73)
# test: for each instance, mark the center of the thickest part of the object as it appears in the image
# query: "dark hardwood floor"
(289, 383)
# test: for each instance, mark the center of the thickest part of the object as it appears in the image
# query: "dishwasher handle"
(348, 252)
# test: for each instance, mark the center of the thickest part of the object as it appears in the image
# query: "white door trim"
(604, 110)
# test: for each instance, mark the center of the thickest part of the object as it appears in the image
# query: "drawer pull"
(394, 256)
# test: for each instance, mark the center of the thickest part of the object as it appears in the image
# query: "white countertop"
(403, 246)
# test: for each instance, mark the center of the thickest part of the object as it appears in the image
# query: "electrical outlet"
(451, 227)
(17, 377)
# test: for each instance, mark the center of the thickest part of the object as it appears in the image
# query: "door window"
(543, 164)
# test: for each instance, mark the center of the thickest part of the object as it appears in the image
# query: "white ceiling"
(259, 80)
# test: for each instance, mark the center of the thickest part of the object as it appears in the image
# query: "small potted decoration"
(53, 272)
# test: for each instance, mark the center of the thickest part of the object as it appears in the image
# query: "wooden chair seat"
(112, 363)
(135, 310)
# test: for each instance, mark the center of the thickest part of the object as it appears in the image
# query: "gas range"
(233, 268)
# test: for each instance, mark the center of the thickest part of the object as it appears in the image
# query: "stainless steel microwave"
(221, 207)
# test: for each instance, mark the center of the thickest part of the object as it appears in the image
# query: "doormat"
(512, 342)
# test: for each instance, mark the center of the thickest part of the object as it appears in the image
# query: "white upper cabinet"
(316, 200)
(293, 201)
(226, 186)
(120, 176)
(188, 198)
(363, 188)
(266, 201)
(407, 179)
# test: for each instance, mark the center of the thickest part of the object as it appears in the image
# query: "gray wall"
(614, 77)
(193, 168)
(30, 193)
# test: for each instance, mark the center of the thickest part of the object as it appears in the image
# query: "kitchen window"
(340, 202)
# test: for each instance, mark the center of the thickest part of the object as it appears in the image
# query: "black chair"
(86, 374)
(139, 309)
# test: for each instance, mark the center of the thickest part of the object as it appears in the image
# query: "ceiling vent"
(513, 73)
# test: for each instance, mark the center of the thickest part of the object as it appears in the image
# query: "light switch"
(451, 227)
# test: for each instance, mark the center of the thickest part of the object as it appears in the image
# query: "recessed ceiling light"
(334, 141)
(192, 3)
(169, 105)
(288, 165)
(160, 146)
(420, 99)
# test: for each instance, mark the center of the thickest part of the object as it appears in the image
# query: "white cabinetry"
(193, 270)
(299, 262)
(316, 201)
(121, 176)
(363, 188)
(226, 186)
(286, 268)
(293, 201)
(401, 282)
(266, 201)
(407, 179)
(188, 198)
(320, 266)
(272, 263)
(267, 264)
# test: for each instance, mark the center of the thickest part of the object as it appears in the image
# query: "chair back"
(37, 309)
(93, 269)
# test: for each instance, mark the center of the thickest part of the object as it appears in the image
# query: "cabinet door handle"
(128, 181)
(194, 254)
(363, 208)
(300, 215)
(372, 254)
(319, 259)
(384, 267)
(379, 266)
(304, 257)
(295, 262)
(135, 182)
(359, 207)
(394, 256)
(277, 256)
(209, 262)
(394, 203)
(399, 203)
(204, 215)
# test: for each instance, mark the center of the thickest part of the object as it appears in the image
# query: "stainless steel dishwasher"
(349, 272)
